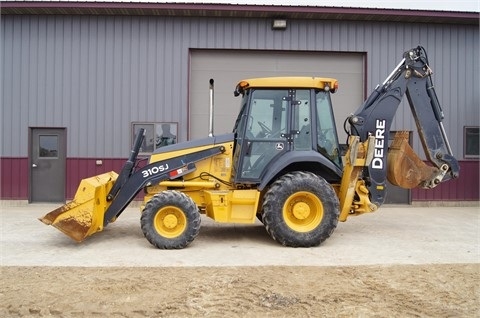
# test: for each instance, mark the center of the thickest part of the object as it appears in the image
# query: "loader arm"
(101, 199)
(128, 167)
(412, 77)
(154, 173)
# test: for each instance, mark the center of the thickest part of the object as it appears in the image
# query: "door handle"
(249, 149)
(34, 165)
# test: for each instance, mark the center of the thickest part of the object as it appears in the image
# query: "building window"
(48, 146)
(471, 142)
(157, 135)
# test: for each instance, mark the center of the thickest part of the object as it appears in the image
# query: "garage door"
(228, 67)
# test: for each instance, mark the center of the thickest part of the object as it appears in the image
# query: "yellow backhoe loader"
(281, 164)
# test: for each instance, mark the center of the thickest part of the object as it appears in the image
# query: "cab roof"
(287, 82)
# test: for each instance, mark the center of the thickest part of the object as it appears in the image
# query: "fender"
(309, 158)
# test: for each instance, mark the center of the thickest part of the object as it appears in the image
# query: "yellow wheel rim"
(303, 211)
(170, 222)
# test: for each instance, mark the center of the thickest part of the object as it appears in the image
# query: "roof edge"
(179, 9)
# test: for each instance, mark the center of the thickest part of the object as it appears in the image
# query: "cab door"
(265, 132)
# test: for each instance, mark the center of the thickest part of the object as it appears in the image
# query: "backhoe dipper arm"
(374, 118)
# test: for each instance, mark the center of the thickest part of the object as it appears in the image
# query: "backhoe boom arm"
(412, 77)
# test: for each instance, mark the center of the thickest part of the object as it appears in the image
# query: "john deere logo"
(279, 146)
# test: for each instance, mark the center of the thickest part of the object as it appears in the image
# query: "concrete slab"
(393, 235)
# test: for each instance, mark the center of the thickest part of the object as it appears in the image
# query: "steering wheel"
(265, 128)
(323, 133)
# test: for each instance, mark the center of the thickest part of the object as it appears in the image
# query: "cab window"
(327, 142)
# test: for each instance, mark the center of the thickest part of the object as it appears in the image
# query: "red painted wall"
(81, 168)
(465, 188)
(14, 176)
(14, 179)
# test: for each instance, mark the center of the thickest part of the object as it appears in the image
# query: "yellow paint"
(303, 211)
(170, 222)
(237, 206)
(195, 183)
(84, 215)
(353, 193)
(289, 82)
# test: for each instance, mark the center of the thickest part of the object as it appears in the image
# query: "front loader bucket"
(85, 214)
(405, 168)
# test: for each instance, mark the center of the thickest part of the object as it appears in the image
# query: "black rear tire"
(170, 220)
(300, 209)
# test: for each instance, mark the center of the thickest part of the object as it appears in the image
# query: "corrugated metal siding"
(465, 188)
(14, 178)
(81, 168)
(95, 74)
(92, 75)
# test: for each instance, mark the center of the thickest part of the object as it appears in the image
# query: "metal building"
(78, 78)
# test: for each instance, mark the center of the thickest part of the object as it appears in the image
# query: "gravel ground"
(393, 235)
(398, 262)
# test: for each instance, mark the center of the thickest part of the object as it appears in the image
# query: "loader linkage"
(92, 208)
(155, 173)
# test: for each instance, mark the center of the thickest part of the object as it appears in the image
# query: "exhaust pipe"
(210, 126)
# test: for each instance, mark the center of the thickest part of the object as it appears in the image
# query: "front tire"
(300, 209)
(170, 220)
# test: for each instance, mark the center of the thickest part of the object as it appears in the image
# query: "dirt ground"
(441, 290)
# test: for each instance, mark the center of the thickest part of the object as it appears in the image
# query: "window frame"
(44, 157)
(467, 155)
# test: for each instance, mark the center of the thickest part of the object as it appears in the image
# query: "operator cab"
(284, 116)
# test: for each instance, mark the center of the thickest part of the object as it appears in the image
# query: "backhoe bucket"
(85, 214)
(405, 168)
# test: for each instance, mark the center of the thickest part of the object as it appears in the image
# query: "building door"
(47, 159)
(228, 67)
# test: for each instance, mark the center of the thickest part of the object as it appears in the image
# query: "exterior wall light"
(279, 24)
